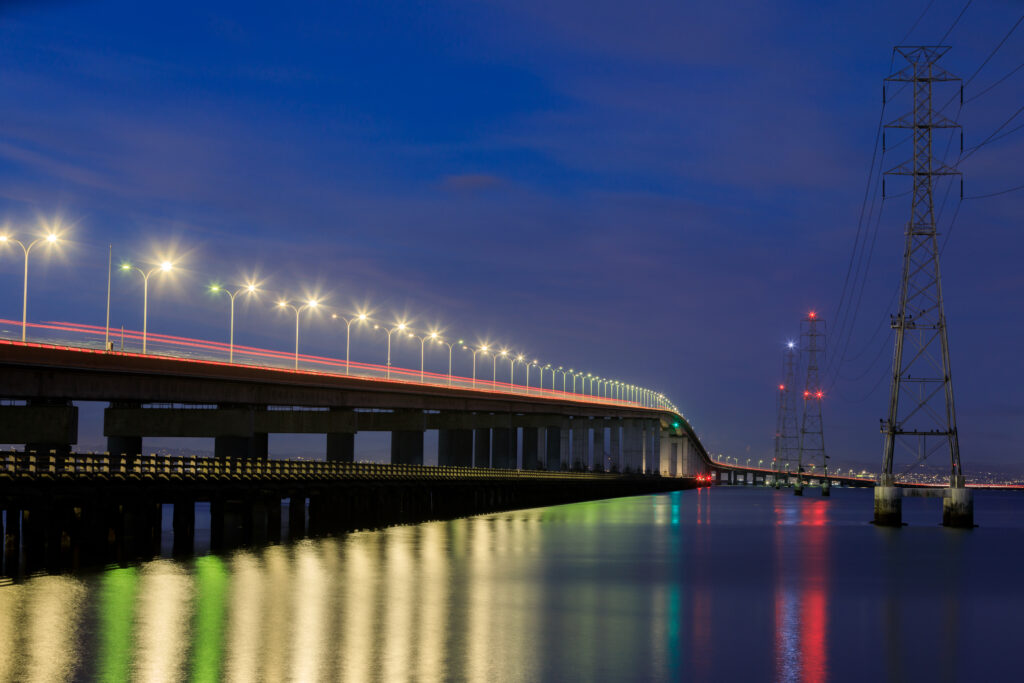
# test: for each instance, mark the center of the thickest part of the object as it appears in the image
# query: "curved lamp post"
(310, 304)
(450, 346)
(483, 349)
(164, 267)
(360, 318)
(248, 289)
(48, 239)
(399, 327)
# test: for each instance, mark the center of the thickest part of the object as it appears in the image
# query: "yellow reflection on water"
(49, 622)
(434, 575)
(10, 613)
(359, 576)
(276, 614)
(164, 614)
(398, 605)
(245, 626)
(309, 591)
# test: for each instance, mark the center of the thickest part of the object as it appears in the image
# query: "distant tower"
(812, 436)
(921, 418)
(787, 435)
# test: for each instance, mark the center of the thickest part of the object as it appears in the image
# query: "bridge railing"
(30, 466)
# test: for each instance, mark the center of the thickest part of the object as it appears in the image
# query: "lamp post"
(399, 327)
(310, 304)
(360, 318)
(564, 373)
(248, 289)
(494, 367)
(450, 346)
(164, 267)
(48, 239)
(423, 342)
(528, 374)
(512, 370)
(574, 376)
(483, 349)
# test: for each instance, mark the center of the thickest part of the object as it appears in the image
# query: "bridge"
(499, 446)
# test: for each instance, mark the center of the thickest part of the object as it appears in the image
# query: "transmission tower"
(921, 418)
(812, 436)
(787, 436)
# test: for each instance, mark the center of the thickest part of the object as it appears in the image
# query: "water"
(723, 584)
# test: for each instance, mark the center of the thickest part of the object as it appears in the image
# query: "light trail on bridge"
(188, 349)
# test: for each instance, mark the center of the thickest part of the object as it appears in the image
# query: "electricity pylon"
(812, 434)
(787, 437)
(921, 419)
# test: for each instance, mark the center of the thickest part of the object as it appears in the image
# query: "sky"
(655, 192)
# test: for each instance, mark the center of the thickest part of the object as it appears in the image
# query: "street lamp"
(483, 349)
(399, 327)
(494, 367)
(164, 267)
(450, 346)
(310, 304)
(248, 289)
(360, 318)
(512, 370)
(423, 342)
(574, 376)
(535, 362)
(50, 238)
(564, 373)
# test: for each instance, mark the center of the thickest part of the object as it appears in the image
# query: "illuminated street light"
(360, 318)
(482, 349)
(534, 363)
(401, 326)
(423, 342)
(564, 373)
(512, 369)
(248, 289)
(574, 376)
(450, 346)
(311, 304)
(164, 267)
(48, 239)
(494, 367)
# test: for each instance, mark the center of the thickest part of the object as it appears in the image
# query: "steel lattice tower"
(787, 437)
(921, 415)
(812, 434)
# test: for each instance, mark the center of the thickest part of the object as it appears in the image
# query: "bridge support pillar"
(482, 447)
(653, 445)
(826, 487)
(580, 437)
(552, 453)
(614, 448)
(600, 459)
(341, 447)
(958, 506)
(241, 447)
(504, 445)
(455, 447)
(564, 454)
(632, 446)
(798, 486)
(888, 503)
(407, 447)
(530, 448)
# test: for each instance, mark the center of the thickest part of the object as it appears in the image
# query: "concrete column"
(407, 447)
(600, 461)
(631, 438)
(530, 448)
(958, 506)
(47, 425)
(614, 448)
(889, 504)
(552, 454)
(241, 447)
(580, 437)
(564, 454)
(670, 456)
(502, 443)
(455, 447)
(686, 466)
(652, 461)
(482, 447)
(341, 447)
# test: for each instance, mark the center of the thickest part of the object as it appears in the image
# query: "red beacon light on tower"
(812, 315)
(819, 394)
(782, 387)
(807, 394)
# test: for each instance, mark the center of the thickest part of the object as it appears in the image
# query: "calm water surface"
(726, 584)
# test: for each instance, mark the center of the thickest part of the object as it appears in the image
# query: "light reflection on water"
(715, 584)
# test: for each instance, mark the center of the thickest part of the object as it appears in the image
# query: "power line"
(955, 22)
(1018, 68)
(996, 194)
(919, 18)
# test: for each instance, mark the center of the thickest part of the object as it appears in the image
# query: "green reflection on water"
(117, 611)
(208, 643)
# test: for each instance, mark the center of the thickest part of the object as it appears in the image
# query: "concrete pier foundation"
(564, 455)
(826, 487)
(888, 504)
(580, 437)
(552, 454)
(531, 447)
(482, 447)
(600, 459)
(798, 487)
(455, 447)
(614, 445)
(958, 507)
(504, 448)
(407, 447)
(341, 447)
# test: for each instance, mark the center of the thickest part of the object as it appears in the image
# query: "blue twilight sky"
(652, 191)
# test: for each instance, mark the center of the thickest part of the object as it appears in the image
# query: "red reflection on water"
(801, 592)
